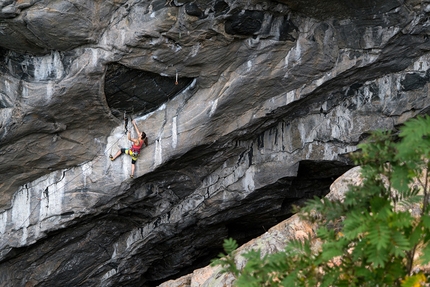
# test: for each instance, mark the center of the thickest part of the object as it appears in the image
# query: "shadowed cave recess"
(138, 92)
(255, 215)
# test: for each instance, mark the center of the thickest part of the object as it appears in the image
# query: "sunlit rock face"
(249, 107)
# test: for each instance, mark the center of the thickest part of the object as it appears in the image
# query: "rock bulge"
(249, 107)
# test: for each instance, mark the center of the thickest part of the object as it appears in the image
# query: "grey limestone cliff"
(249, 107)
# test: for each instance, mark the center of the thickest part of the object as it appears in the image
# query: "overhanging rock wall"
(270, 100)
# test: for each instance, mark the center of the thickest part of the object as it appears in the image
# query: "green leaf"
(425, 258)
(230, 245)
(298, 247)
(324, 233)
(363, 271)
(379, 234)
(401, 220)
(291, 280)
(381, 207)
(415, 235)
(331, 249)
(355, 223)
(246, 280)
(399, 244)
(358, 253)
(401, 178)
(329, 278)
(226, 261)
(425, 218)
(377, 257)
(415, 143)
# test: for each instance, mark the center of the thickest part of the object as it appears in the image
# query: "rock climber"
(134, 151)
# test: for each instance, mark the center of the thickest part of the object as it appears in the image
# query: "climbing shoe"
(111, 157)
(131, 176)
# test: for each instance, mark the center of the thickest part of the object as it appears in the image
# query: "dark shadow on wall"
(247, 219)
(139, 92)
(340, 9)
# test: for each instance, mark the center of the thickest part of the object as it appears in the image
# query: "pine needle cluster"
(378, 235)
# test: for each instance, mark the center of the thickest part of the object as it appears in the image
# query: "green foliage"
(368, 239)
(227, 260)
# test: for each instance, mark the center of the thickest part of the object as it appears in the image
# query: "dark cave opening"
(139, 92)
(265, 209)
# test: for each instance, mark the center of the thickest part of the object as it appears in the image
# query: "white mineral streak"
(213, 107)
(109, 274)
(248, 180)
(47, 67)
(423, 63)
(49, 90)
(3, 223)
(16, 219)
(174, 132)
(38, 205)
(194, 50)
(7, 85)
(87, 170)
(20, 216)
(94, 53)
(158, 155)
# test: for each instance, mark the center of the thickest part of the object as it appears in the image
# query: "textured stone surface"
(271, 97)
(272, 241)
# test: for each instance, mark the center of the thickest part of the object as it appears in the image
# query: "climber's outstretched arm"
(135, 141)
(136, 128)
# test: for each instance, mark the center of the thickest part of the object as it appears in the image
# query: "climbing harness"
(134, 154)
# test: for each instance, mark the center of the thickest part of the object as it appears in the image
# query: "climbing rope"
(126, 122)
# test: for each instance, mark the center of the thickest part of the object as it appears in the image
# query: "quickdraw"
(125, 122)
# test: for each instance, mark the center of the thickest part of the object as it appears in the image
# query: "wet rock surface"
(270, 100)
